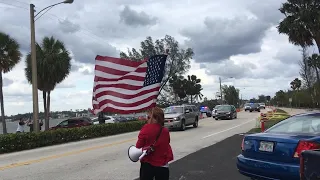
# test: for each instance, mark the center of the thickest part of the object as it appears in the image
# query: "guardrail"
(309, 165)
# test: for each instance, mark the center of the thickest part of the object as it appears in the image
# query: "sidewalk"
(216, 162)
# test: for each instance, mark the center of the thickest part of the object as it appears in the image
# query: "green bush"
(24, 141)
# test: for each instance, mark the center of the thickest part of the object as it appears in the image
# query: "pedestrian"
(21, 125)
(101, 118)
(40, 124)
(30, 124)
(156, 138)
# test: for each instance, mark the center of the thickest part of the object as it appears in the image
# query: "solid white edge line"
(228, 129)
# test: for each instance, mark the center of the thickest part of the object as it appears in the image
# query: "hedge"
(24, 141)
(272, 121)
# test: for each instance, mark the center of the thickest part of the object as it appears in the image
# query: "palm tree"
(54, 64)
(314, 62)
(194, 88)
(301, 22)
(10, 55)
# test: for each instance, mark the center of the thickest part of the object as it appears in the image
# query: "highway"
(106, 158)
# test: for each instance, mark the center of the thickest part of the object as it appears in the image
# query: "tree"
(178, 85)
(314, 62)
(54, 64)
(10, 55)
(301, 22)
(231, 94)
(193, 88)
(178, 61)
(262, 98)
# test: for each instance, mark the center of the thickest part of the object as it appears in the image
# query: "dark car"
(74, 122)
(226, 112)
(120, 119)
(275, 153)
(254, 107)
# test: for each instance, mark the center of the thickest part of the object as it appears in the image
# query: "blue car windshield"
(297, 125)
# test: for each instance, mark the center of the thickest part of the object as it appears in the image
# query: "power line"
(82, 30)
(14, 5)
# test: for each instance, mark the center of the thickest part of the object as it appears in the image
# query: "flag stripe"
(101, 80)
(123, 62)
(119, 72)
(117, 77)
(125, 101)
(125, 104)
(125, 110)
(114, 91)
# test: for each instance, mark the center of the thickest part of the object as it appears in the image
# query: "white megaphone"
(136, 154)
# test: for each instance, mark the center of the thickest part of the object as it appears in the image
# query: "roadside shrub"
(24, 141)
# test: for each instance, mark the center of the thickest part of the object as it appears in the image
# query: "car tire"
(235, 117)
(217, 119)
(196, 123)
(183, 125)
(250, 111)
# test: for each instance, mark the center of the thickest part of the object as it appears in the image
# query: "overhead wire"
(82, 30)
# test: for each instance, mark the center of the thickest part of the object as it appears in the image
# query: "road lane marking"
(13, 165)
(228, 129)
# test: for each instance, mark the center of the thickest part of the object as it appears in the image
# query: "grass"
(279, 116)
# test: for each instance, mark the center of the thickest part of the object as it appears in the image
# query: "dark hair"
(157, 114)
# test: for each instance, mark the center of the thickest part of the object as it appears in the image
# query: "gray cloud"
(6, 81)
(223, 38)
(134, 18)
(67, 26)
(229, 69)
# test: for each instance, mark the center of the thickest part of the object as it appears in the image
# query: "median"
(273, 118)
(23, 141)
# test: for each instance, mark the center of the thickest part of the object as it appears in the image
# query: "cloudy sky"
(231, 38)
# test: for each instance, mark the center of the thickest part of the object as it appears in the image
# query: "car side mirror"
(187, 111)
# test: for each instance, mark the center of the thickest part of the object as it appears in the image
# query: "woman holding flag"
(157, 138)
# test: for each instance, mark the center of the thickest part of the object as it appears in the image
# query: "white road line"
(228, 129)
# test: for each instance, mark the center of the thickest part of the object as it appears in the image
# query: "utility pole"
(220, 90)
(34, 72)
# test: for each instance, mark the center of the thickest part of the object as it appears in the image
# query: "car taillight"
(242, 144)
(305, 145)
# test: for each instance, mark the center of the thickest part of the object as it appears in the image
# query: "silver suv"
(181, 116)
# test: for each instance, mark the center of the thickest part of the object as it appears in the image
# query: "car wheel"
(196, 123)
(183, 125)
(217, 119)
(235, 116)
(250, 111)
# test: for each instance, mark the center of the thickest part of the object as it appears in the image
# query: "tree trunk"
(48, 110)
(191, 99)
(44, 96)
(3, 119)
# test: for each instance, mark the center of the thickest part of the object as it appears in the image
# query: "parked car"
(262, 105)
(247, 107)
(254, 107)
(206, 110)
(226, 112)
(120, 120)
(181, 116)
(275, 153)
(107, 120)
(73, 123)
(214, 111)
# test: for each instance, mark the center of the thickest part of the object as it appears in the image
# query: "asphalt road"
(106, 158)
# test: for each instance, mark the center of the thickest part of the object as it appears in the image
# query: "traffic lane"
(109, 161)
(217, 162)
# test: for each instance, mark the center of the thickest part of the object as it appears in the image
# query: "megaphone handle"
(143, 154)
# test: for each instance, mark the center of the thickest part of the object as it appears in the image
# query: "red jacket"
(163, 152)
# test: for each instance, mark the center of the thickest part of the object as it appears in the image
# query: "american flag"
(124, 86)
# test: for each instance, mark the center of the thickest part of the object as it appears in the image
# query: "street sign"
(290, 99)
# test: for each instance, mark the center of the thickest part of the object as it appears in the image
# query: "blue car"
(274, 154)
